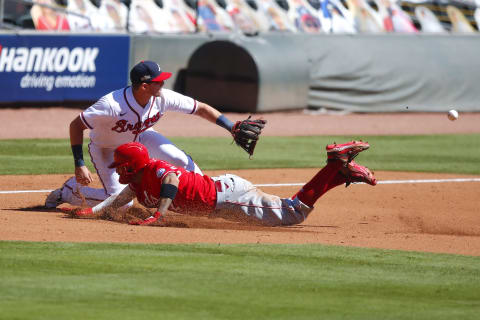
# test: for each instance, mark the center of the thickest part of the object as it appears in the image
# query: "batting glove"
(78, 212)
(156, 217)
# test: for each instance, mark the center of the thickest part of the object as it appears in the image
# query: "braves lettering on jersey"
(139, 127)
(117, 118)
(196, 193)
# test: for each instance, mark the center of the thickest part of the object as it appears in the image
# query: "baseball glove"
(246, 133)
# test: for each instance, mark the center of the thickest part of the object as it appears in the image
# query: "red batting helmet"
(129, 158)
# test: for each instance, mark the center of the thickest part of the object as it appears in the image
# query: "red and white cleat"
(345, 152)
(357, 173)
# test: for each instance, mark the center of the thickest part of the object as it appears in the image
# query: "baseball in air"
(452, 115)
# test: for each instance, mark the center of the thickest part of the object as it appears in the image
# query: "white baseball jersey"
(117, 118)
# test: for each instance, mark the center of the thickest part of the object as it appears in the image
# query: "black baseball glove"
(246, 133)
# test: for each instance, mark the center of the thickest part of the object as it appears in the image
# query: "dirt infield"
(441, 217)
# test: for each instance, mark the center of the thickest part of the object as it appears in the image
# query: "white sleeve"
(115, 201)
(174, 101)
(97, 114)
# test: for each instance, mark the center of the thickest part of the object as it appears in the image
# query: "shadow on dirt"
(176, 220)
(34, 209)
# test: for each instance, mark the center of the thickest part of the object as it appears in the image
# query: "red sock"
(327, 178)
(338, 180)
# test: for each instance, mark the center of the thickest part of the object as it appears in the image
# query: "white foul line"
(23, 191)
(302, 183)
(431, 181)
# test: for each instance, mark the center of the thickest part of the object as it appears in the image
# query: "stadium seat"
(10, 19)
(428, 21)
(12, 12)
(316, 4)
(25, 22)
(114, 14)
(477, 16)
(277, 17)
(335, 17)
(303, 16)
(394, 18)
(367, 19)
(222, 4)
(439, 10)
(460, 24)
(213, 18)
(183, 17)
(246, 18)
(85, 17)
(283, 4)
(147, 17)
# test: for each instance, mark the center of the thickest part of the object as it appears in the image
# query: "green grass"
(125, 281)
(426, 153)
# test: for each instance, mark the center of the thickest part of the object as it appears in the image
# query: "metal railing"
(2, 7)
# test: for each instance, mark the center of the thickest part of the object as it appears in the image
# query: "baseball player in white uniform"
(127, 115)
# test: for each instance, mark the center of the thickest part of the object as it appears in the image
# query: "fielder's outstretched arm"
(82, 174)
(211, 114)
(245, 133)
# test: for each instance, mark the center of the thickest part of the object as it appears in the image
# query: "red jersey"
(196, 193)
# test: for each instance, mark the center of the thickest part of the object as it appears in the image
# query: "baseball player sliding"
(128, 115)
(161, 185)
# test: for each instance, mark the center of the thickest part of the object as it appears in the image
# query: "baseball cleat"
(345, 152)
(54, 199)
(357, 173)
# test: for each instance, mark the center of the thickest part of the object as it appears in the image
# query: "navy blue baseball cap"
(148, 71)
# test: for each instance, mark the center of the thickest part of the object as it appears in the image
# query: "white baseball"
(452, 115)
